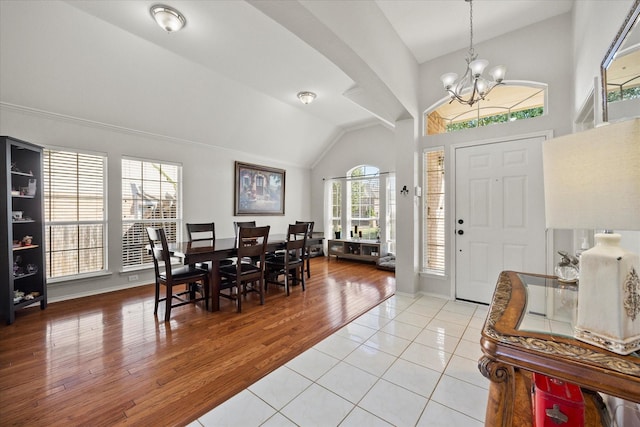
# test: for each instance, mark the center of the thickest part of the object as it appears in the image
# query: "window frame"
(48, 223)
(140, 240)
(442, 220)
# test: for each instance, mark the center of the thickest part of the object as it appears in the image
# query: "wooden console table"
(528, 329)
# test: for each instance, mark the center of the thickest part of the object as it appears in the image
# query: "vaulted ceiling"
(230, 77)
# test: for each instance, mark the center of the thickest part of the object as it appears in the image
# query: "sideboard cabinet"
(357, 249)
(22, 275)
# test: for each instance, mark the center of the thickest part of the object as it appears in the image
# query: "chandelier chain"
(471, 51)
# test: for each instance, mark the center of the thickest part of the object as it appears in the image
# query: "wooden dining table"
(218, 249)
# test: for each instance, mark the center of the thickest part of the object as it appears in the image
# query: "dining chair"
(290, 262)
(252, 245)
(307, 250)
(236, 227)
(199, 232)
(196, 280)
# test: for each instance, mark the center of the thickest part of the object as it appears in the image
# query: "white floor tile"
(337, 346)
(438, 340)
(371, 321)
(460, 307)
(359, 418)
(461, 396)
(402, 330)
(413, 377)
(279, 420)
(348, 381)
(426, 356)
(355, 332)
(423, 310)
(374, 361)
(394, 404)
(388, 343)
(472, 334)
(445, 327)
(451, 317)
(470, 350)
(432, 301)
(466, 370)
(437, 415)
(317, 406)
(280, 387)
(312, 364)
(413, 319)
(234, 412)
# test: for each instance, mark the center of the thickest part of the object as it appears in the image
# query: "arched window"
(363, 192)
(506, 103)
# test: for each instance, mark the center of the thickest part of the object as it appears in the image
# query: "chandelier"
(472, 87)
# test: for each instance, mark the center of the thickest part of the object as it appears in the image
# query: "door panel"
(500, 200)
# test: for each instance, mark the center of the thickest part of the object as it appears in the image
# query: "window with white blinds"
(391, 213)
(336, 206)
(434, 213)
(75, 213)
(364, 192)
(150, 198)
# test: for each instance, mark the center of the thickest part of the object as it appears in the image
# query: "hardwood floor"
(107, 360)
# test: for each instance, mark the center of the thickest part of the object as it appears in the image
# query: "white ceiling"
(254, 57)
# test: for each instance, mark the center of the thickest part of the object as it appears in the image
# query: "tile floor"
(406, 362)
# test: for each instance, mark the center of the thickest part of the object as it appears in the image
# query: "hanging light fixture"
(472, 87)
(306, 97)
(168, 18)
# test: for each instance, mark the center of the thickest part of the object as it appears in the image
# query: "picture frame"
(259, 190)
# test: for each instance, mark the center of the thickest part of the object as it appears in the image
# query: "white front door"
(499, 214)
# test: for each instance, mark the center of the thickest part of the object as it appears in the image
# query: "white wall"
(207, 182)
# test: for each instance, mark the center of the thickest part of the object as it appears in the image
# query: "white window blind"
(150, 198)
(75, 213)
(434, 214)
(364, 191)
(336, 206)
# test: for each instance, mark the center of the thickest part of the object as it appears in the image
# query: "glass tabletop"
(551, 305)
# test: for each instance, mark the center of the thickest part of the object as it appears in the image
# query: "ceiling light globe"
(306, 97)
(498, 72)
(168, 18)
(448, 80)
(478, 66)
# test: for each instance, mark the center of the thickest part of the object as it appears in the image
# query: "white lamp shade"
(498, 72)
(448, 79)
(592, 178)
(478, 66)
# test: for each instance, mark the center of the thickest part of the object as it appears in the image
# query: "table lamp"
(592, 181)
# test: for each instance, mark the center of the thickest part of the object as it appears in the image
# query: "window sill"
(77, 277)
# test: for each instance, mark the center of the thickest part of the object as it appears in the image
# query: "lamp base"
(627, 346)
(609, 297)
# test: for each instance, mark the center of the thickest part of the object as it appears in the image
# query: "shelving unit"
(23, 279)
(357, 249)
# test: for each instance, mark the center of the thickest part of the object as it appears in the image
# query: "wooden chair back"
(201, 231)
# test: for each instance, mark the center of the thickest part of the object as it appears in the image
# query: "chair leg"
(302, 275)
(155, 307)
(308, 270)
(207, 293)
(239, 296)
(167, 303)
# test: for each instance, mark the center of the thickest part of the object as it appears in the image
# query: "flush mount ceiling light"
(306, 97)
(472, 87)
(168, 18)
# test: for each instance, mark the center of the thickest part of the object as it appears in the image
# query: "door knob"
(460, 232)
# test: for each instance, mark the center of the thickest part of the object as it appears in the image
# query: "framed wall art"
(259, 190)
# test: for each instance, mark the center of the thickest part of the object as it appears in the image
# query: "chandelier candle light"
(472, 87)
